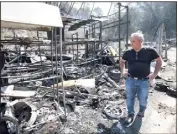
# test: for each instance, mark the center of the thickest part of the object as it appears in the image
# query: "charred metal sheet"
(81, 23)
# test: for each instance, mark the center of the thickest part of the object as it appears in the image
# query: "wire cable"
(60, 4)
(69, 8)
(109, 9)
(91, 10)
(64, 5)
(72, 5)
(79, 8)
(116, 12)
(83, 10)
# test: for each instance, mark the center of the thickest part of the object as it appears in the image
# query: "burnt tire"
(114, 74)
(172, 92)
(12, 120)
(69, 108)
(113, 112)
(161, 87)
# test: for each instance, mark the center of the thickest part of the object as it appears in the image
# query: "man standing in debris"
(138, 75)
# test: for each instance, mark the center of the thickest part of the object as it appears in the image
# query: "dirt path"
(160, 116)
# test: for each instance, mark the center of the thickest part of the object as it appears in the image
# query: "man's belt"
(139, 78)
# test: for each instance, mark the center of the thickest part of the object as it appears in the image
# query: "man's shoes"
(129, 120)
(141, 113)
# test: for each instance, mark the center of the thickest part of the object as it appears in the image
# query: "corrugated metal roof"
(30, 16)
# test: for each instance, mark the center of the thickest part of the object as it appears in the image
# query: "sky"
(103, 5)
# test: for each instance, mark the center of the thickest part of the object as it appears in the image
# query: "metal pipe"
(94, 47)
(95, 22)
(77, 47)
(165, 42)
(18, 41)
(92, 33)
(86, 45)
(76, 44)
(89, 31)
(87, 62)
(20, 60)
(127, 28)
(52, 58)
(56, 61)
(74, 33)
(93, 36)
(84, 33)
(115, 25)
(39, 73)
(25, 51)
(166, 48)
(119, 29)
(30, 44)
(83, 42)
(94, 30)
(86, 49)
(73, 48)
(62, 80)
(39, 47)
(123, 6)
(76, 38)
(101, 30)
(100, 35)
(63, 32)
(32, 65)
(27, 81)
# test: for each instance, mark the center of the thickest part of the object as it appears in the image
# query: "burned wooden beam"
(111, 81)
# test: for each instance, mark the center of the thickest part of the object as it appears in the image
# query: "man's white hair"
(139, 35)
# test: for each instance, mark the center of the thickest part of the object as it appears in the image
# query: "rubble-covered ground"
(94, 105)
(160, 116)
(104, 112)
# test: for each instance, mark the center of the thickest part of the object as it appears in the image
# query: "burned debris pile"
(166, 81)
(32, 92)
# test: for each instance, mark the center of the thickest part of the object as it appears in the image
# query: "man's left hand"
(151, 76)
